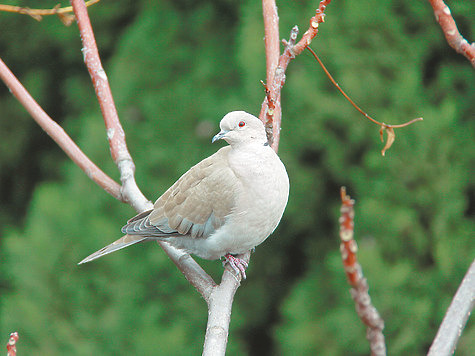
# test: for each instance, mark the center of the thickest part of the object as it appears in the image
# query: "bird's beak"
(219, 136)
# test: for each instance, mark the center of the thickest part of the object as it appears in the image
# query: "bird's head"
(239, 127)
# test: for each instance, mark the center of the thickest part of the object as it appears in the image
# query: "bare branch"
(11, 345)
(37, 14)
(272, 118)
(115, 133)
(359, 291)
(271, 110)
(120, 154)
(218, 297)
(456, 317)
(57, 133)
(272, 40)
(455, 40)
(192, 271)
(219, 311)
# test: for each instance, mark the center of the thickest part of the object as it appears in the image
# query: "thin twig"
(384, 127)
(456, 317)
(455, 40)
(57, 133)
(38, 14)
(359, 291)
(353, 103)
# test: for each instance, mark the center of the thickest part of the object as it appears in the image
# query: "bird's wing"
(196, 205)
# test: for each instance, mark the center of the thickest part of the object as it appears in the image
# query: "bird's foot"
(237, 264)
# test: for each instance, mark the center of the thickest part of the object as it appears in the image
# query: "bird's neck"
(250, 146)
(250, 154)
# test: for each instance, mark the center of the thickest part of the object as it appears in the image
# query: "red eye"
(242, 124)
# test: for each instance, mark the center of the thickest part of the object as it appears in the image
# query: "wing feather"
(196, 205)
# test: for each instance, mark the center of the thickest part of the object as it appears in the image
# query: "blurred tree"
(175, 68)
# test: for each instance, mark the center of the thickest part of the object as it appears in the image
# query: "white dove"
(225, 205)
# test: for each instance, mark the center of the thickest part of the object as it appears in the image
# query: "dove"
(224, 206)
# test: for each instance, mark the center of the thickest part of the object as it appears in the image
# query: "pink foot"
(237, 264)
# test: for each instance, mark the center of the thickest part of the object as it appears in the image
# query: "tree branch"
(220, 306)
(218, 297)
(272, 40)
(271, 112)
(37, 14)
(115, 133)
(120, 154)
(359, 291)
(455, 40)
(57, 133)
(456, 317)
(11, 345)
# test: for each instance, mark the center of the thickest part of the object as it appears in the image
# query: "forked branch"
(120, 154)
(57, 133)
(271, 112)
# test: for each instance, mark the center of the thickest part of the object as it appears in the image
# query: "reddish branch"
(115, 134)
(271, 113)
(11, 345)
(454, 38)
(57, 133)
(359, 291)
(272, 40)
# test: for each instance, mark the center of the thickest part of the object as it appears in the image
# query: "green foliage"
(176, 67)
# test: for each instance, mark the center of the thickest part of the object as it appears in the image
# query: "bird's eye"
(241, 124)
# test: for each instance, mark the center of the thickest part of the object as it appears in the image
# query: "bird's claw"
(237, 264)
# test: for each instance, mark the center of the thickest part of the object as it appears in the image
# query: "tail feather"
(121, 243)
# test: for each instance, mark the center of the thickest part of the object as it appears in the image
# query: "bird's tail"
(123, 242)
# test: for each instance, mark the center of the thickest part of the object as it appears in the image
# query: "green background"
(175, 68)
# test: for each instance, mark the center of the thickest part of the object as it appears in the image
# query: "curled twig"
(359, 291)
(383, 127)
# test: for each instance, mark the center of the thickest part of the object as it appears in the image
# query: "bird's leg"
(237, 264)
